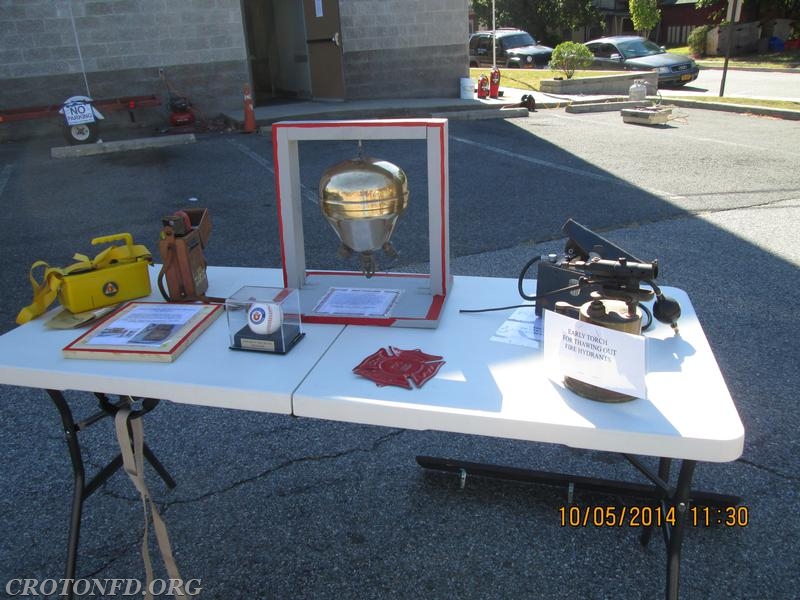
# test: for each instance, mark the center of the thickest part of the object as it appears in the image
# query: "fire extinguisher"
(483, 86)
(494, 83)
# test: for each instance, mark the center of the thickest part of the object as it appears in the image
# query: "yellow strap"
(109, 256)
(45, 293)
(129, 253)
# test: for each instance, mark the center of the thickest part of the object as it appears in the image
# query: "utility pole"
(494, 39)
(733, 16)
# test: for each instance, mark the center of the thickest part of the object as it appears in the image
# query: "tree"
(569, 56)
(549, 21)
(645, 15)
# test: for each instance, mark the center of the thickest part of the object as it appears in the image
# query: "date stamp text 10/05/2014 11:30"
(648, 516)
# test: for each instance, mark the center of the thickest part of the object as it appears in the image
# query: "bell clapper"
(368, 264)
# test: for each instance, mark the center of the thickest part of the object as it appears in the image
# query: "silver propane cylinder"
(638, 91)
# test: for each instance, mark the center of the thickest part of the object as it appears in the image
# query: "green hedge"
(697, 39)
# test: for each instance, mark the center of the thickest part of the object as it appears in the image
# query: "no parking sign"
(77, 112)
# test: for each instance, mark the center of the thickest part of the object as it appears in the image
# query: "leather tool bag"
(183, 237)
(116, 274)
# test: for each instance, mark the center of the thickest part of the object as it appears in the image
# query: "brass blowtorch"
(615, 304)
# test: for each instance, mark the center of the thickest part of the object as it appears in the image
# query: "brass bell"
(362, 199)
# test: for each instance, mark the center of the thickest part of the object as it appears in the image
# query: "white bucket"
(467, 88)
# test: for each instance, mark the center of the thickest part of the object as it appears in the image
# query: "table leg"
(156, 464)
(677, 498)
(664, 466)
(593, 484)
(71, 435)
(681, 503)
(82, 490)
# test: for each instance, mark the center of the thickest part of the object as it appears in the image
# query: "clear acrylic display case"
(264, 319)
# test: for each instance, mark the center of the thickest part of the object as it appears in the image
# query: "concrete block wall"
(128, 47)
(605, 84)
(404, 48)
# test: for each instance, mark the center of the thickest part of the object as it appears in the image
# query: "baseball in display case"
(264, 319)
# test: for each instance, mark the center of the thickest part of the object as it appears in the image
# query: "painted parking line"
(544, 163)
(267, 164)
(571, 170)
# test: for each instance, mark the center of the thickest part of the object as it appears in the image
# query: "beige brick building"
(208, 49)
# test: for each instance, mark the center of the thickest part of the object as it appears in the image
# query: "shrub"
(569, 56)
(697, 40)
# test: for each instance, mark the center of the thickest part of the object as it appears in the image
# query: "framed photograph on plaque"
(145, 331)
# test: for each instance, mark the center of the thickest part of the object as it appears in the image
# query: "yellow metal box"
(117, 274)
(102, 287)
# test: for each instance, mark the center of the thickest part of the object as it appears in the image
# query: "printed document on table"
(149, 325)
(359, 302)
(522, 328)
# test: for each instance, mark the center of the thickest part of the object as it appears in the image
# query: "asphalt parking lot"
(275, 507)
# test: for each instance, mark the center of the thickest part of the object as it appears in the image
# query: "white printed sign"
(600, 356)
(78, 112)
(522, 328)
(358, 302)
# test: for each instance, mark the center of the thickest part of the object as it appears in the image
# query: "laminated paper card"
(600, 356)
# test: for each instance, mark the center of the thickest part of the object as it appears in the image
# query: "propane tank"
(638, 91)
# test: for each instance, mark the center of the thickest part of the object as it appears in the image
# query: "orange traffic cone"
(249, 114)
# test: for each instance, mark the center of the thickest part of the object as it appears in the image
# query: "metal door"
(324, 48)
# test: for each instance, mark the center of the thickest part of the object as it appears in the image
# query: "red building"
(679, 17)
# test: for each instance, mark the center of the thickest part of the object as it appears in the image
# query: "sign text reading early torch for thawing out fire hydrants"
(600, 356)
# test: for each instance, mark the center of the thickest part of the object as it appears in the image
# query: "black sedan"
(514, 49)
(633, 53)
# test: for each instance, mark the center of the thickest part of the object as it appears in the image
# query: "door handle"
(335, 39)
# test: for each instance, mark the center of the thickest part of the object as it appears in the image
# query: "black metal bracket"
(82, 490)
(677, 498)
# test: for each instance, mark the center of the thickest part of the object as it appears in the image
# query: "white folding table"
(207, 373)
(485, 388)
(502, 390)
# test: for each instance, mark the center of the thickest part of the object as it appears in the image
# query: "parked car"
(514, 48)
(634, 53)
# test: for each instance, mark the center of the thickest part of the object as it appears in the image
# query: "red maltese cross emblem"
(399, 367)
